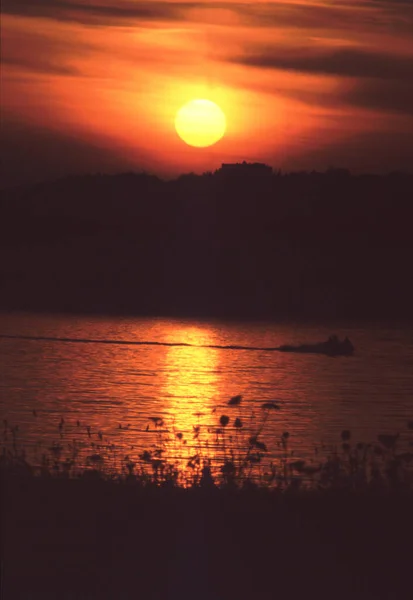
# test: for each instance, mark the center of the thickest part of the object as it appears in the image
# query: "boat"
(332, 347)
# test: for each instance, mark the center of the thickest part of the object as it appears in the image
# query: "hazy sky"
(94, 85)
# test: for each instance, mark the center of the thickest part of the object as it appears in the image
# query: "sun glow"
(200, 123)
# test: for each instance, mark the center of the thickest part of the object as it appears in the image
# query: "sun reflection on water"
(191, 383)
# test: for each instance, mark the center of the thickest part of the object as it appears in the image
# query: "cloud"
(346, 62)
(362, 77)
(397, 97)
(40, 66)
(340, 15)
(378, 82)
(41, 53)
(94, 12)
(303, 15)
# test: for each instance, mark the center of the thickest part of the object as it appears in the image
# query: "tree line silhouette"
(297, 244)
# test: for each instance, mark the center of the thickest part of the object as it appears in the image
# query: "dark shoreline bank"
(86, 539)
(331, 321)
(203, 246)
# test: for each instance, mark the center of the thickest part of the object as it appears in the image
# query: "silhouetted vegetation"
(299, 244)
(225, 453)
(90, 522)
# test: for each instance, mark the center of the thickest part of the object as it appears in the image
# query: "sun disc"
(200, 123)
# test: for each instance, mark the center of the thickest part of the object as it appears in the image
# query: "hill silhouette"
(299, 244)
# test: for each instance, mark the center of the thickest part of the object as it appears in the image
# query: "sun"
(200, 123)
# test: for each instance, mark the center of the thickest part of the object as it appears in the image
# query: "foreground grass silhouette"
(225, 532)
(229, 451)
(83, 538)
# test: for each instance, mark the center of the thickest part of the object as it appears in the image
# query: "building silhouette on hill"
(244, 169)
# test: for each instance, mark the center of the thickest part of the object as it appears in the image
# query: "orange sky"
(95, 85)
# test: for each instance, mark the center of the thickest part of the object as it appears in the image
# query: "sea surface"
(60, 390)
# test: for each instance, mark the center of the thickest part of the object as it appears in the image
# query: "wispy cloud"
(376, 94)
(363, 79)
(312, 15)
(94, 12)
(349, 62)
(32, 51)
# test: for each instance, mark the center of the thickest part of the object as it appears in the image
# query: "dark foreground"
(84, 539)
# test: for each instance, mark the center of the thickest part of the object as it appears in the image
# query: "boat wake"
(321, 348)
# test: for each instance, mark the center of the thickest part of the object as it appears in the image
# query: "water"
(105, 386)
